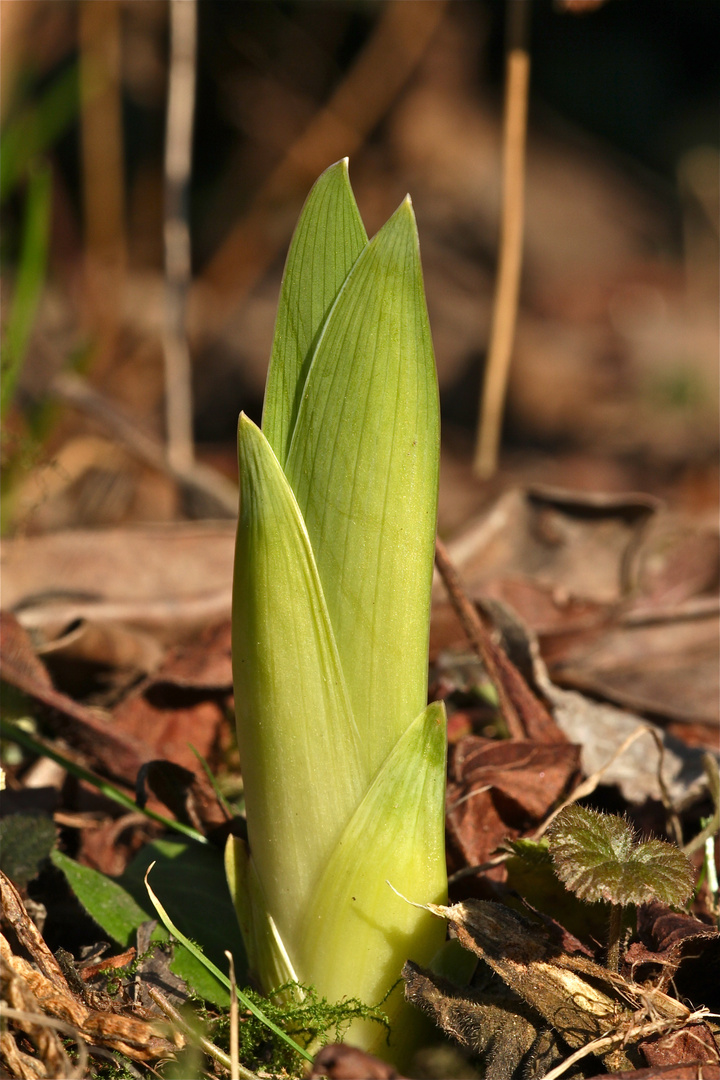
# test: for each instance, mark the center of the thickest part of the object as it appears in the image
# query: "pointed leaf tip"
(328, 238)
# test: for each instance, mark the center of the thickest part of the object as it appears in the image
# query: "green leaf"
(358, 932)
(37, 127)
(192, 880)
(299, 746)
(363, 465)
(268, 958)
(111, 906)
(29, 282)
(598, 857)
(328, 238)
(25, 840)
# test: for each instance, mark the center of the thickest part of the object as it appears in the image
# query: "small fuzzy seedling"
(598, 857)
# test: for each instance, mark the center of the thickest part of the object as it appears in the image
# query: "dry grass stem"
(511, 240)
(205, 1045)
(178, 155)
(234, 1021)
(102, 170)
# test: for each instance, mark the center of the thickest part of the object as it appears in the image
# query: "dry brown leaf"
(340, 1062)
(169, 579)
(498, 790)
(116, 754)
(623, 598)
(581, 1000)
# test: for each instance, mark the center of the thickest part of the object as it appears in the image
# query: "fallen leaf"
(694, 1071)
(580, 999)
(691, 1045)
(202, 664)
(340, 1062)
(187, 795)
(601, 730)
(495, 1025)
(115, 753)
(501, 789)
(622, 596)
(169, 579)
(174, 719)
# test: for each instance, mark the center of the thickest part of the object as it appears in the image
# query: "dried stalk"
(517, 81)
(102, 169)
(178, 157)
(478, 636)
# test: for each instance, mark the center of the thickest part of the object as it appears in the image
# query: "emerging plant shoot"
(343, 763)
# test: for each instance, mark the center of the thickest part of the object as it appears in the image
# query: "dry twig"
(478, 636)
(178, 158)
(517, 81)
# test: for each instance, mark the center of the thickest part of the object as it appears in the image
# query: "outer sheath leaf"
(363, 464)
(358, 933)
(267, 956)
(298, 742)
(328, 239)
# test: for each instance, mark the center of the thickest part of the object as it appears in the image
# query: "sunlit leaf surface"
(598, 857)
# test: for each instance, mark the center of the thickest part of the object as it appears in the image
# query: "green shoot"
(343, 763)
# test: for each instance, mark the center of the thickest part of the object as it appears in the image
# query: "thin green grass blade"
(14, 733)
(299, 746)
(214, 970)
(328, 239)
(36, 127)
(222, 801)
(29, 283)
(363, 464)
(358, 932)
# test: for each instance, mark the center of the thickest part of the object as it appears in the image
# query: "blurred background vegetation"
(614, 381)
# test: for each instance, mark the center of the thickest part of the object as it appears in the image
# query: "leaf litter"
(500, 790)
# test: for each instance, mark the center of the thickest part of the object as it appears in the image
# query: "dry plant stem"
(588, 786)
(178, 157)
(15, 44)
(234, 1028)
(517, 82)
(671, 815)
(102, 170)
(398, 43)
(208, 1047)
(707, 834)
(614, 932)
(477, 633)
(39, 1019)
(640, 1031)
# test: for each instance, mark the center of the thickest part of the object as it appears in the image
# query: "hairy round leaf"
(597, 857)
